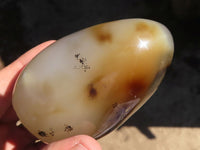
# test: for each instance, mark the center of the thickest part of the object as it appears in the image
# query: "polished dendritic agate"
(93, 80)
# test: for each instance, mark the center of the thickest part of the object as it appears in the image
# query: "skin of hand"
(18, 138)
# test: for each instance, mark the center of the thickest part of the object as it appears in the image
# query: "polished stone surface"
(93, 80)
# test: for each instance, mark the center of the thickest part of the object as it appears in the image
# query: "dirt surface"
(166, 138)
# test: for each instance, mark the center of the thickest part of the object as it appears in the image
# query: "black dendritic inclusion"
(68, 128)
(42, 133)
(77, 55)
(51, 132)
(46, 134)
(82, 61)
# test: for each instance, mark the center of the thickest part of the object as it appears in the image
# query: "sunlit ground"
(166, 138)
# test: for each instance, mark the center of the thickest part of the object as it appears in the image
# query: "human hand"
(18, 138)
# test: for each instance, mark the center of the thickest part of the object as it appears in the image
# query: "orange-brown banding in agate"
(146, 29)
(136, 88)
(101, 34)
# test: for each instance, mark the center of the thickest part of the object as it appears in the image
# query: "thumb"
(80, 142)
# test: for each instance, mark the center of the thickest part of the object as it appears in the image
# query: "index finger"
(9, 74)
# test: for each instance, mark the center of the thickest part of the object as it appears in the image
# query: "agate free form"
(93, 80)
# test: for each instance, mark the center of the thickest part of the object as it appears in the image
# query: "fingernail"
(79, 147)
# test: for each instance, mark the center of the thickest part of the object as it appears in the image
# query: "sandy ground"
(166, 138)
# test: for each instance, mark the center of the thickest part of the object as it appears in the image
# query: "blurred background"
(171, 118)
